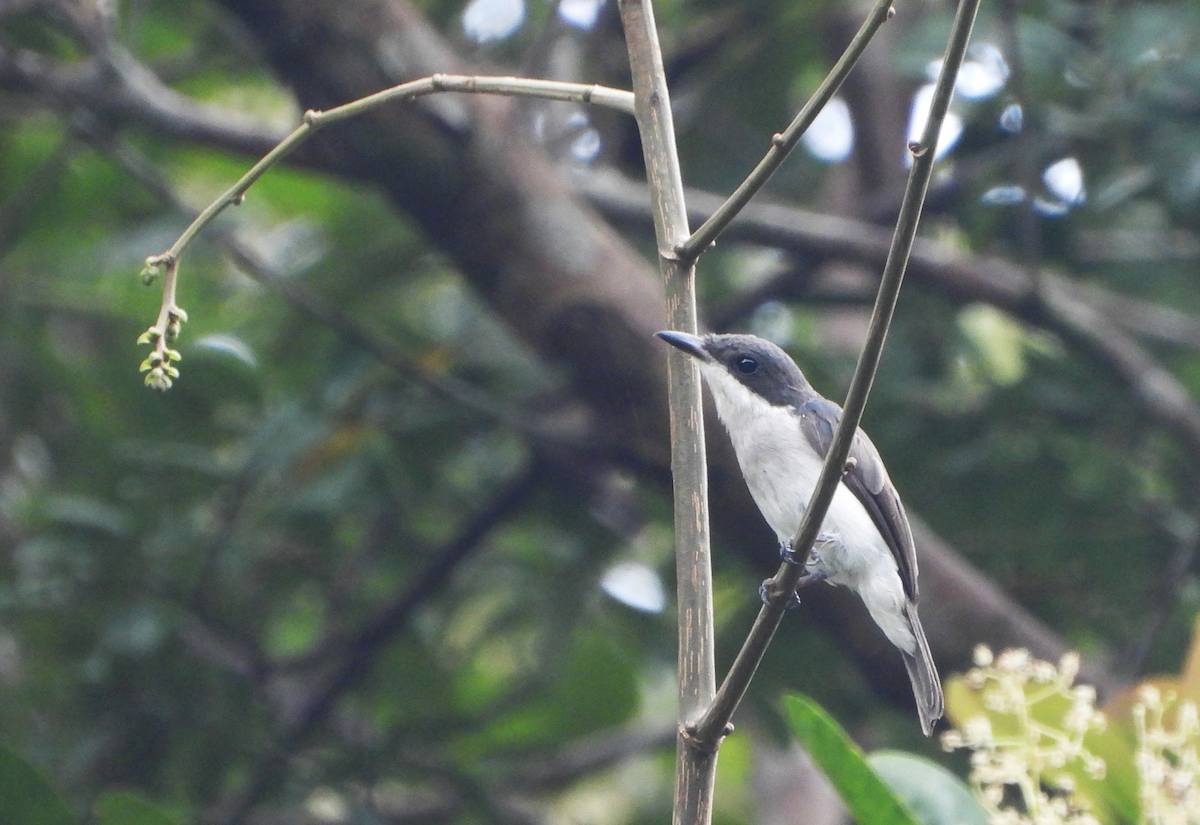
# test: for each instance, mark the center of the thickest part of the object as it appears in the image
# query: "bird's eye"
(747, 365)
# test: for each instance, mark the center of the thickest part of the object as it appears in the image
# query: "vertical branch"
(695, 766)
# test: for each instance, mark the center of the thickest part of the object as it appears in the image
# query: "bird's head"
(755, 363)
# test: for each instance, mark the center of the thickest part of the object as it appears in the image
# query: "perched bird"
(781, 429)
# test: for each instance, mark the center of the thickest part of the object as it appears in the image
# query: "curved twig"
(159, 365)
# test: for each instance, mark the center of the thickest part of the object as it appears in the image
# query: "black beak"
(693, 345)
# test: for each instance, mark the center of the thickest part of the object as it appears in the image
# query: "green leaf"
(127, 809)
(935, 795)
(26, 798)
(871, 802)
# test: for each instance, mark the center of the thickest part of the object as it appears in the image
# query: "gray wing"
(869, 482)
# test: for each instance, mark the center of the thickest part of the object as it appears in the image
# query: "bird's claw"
(764, 593)
(814, 556)
(809, 579)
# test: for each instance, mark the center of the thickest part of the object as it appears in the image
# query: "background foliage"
(331, 575)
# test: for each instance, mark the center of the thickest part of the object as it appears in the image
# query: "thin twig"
(341, 323)
(170, 316)
(783, 142)
(712, 726)
(314, 120)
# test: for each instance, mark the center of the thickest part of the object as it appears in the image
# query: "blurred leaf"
(870, 800)
(128, 809)
(87, 512)
(932, 793)
(297, 629)
(999, 343)
(26, 798)
(597, 688)
(1189, 679)
(1117, 745)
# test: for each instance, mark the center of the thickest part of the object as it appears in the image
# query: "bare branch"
(734, 687)
(346, 326)
(783, 143)
(314, 120)
(162, 335)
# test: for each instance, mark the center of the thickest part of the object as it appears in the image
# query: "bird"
(782, 429)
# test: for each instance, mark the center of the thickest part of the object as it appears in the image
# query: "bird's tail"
(927, 687)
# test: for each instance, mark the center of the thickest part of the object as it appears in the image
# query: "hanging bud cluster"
(159, 366)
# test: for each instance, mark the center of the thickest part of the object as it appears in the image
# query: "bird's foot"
(809, 579)
(766, 593)
(814, 556)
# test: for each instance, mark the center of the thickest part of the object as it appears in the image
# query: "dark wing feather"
(869, 482)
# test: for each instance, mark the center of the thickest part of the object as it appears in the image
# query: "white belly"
(782, 474)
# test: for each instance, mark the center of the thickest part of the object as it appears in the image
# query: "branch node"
(689, 732)
(851, 463)
(917, 148)
(777, 139)
(891, 12)
(311, 117)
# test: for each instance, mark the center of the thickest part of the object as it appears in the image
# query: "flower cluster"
(1166, 758)
(158, 366)
(1026, 760)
